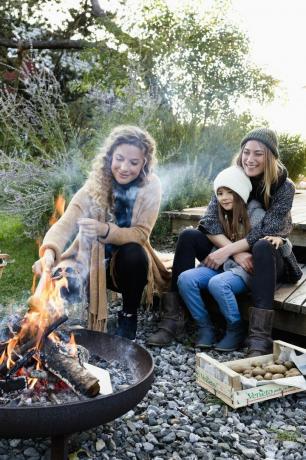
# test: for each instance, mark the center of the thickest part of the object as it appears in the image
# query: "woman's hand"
(215, 259)
(45, 263)
(92, 228)
(276, 241)
(245, 260)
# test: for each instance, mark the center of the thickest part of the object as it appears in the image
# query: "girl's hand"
(45, 263)
(276, 241)
(245, 260)
(92, 228)
(215, 259)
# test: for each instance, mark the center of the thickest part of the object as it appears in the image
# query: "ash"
(121, 374)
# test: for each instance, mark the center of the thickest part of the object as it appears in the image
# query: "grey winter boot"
(233, 338)
(206, 337)
(260, 331)
(174, 317)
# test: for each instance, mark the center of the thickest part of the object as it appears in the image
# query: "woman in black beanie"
(259, 157)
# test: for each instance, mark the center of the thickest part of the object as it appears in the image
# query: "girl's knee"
(213, 284)
(186, 280)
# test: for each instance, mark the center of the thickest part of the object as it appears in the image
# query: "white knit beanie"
(234, 178)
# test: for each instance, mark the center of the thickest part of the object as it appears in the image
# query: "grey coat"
(256, 215)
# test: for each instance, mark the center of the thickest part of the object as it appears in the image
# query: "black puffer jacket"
(277, 220)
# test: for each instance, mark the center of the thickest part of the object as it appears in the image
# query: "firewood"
(69, 370)
(32, 342)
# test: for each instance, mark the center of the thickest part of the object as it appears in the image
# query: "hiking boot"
(233, 338)
(260, 330)
(174, 317)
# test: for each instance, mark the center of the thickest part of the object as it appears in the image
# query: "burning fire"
(46, 306)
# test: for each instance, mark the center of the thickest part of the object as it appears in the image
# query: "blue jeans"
(223, 286)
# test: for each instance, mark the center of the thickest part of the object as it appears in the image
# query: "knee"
(213, 284)
(187, 235)
(186, 281)
(262, 247)
(133, 254)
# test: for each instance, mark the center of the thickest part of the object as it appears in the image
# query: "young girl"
(107, 225)
(232, 188)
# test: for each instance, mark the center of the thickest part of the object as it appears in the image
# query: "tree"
(293, 154)
(196, 66)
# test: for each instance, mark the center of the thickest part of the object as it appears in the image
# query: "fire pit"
(59, 421)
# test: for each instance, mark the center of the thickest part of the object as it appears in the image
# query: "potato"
(293, 372)
(276, 369)
(247, 371)
(277, 376)
(258, 371)
(268, 376)
(240, 369)
(248, 376)
(289, 364)
(259, 377)
(264, 365)
(279, 361)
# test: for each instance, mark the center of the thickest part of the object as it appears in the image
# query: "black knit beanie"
(266, 136)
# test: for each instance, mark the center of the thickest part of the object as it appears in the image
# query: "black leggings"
(268, 264)
(130, 272)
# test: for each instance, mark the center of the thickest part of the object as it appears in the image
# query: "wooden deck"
(191, 216)
(289, 299)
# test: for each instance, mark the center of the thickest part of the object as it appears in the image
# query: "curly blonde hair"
(99, 182)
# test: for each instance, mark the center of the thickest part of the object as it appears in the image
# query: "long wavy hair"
(273, 169)
(235, 223)
(99, 182)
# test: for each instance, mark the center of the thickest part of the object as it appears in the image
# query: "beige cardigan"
(87, 258)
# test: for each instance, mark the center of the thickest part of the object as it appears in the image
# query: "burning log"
(69, 370)
(29, 345)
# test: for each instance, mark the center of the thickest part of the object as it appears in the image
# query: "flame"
(45, 306)
(59, 208)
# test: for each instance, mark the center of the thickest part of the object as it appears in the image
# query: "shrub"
(293, 155)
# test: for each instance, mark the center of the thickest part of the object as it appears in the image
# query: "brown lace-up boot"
(174, 317)
(260, 330)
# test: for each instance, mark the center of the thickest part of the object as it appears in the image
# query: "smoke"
(185, 185)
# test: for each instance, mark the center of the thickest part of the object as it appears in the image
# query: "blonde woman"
(102, 240)
(255, 253)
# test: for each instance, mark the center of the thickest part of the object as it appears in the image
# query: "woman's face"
(225, 197)
(127, 163)
(253, 158)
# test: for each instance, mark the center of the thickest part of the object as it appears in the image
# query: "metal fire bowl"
(64, 419)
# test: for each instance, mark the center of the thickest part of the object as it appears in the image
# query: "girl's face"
(225, 197)
(127, 163)
(253, 158)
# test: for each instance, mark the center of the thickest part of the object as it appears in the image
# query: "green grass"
(282, 435)
(16, 281)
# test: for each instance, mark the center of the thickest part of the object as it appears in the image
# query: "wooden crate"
(222, 380)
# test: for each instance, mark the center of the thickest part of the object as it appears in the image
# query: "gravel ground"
(179, 420)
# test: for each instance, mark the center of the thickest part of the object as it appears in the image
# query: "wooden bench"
(289, 299)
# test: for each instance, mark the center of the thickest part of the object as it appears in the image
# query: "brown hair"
(273, 168)
(235, 223)
(99, 182)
